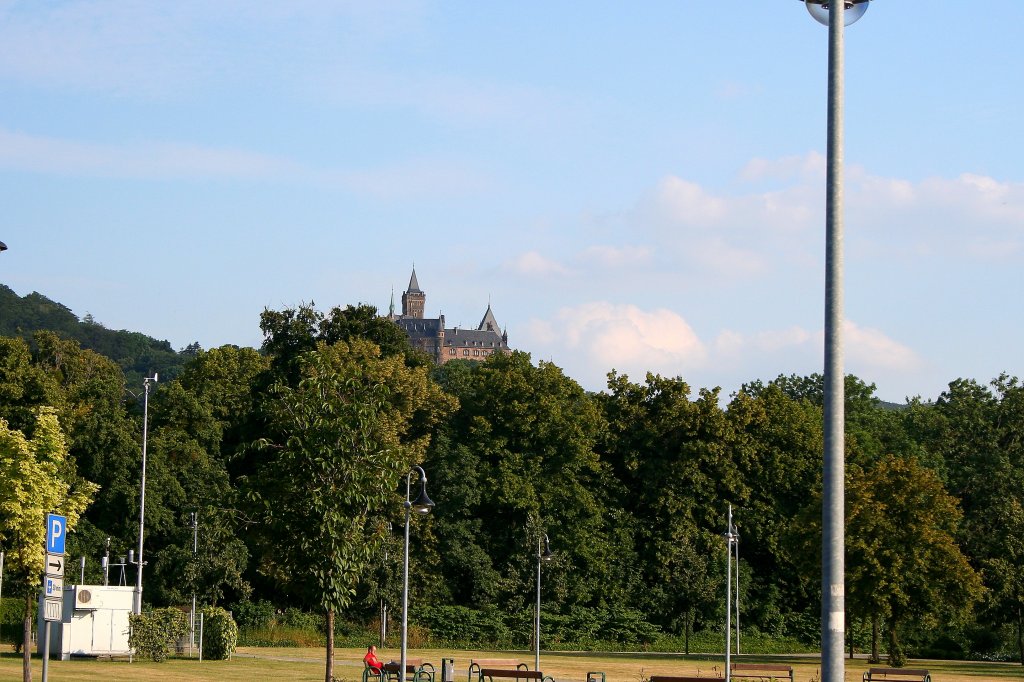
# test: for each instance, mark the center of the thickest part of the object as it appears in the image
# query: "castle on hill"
(441, 344)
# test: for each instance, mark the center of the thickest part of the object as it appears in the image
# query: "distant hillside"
(139, 355)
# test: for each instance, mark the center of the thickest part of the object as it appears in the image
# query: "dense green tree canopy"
(304, 443)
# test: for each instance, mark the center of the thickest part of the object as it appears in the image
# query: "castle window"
(451, 351)
(465, 351)
(476, 352)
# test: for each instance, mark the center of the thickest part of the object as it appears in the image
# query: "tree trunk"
(897, 659)
(686, 631)
(26, 647)
(875, 657)
(1020, 633)
(329, 674)
(850, 631)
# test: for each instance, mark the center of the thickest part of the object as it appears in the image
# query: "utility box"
(94, 622)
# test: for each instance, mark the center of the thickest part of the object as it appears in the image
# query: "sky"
(631, 186)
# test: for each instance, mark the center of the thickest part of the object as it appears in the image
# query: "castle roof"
(461, 338)
(489, 323)
(414, 286)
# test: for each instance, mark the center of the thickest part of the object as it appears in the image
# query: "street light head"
(422, 504)
(3, 247)
(855, 9)
(547, 555)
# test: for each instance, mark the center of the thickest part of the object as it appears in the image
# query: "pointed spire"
(489, 324)
(414, 286)
(391, 310)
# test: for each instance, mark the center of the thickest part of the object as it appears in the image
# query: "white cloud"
(591, 339)
(616, 257)
(172, 160)
(688, 203)
(532, 263)
(21, 151)
(810, 166)
(594, 338)
(873, 349)
(159, 49)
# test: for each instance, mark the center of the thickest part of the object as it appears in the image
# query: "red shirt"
(371, 660)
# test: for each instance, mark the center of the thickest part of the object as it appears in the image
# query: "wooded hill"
(138, 355)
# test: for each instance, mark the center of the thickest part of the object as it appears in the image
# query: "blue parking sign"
(56, 531)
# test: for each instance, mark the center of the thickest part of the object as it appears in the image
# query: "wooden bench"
(415, 669)
(475, 665)
(764, 671)
(896, 675)
(512, 674)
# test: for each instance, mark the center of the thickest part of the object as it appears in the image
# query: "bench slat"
(897, 675)
(512, 674)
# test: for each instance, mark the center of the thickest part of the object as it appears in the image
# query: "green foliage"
(36, 478)
(631, 484)
(220, 633)
(153, 634)
(249, 614)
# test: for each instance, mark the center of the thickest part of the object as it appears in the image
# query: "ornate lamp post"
(422, 506)
(546, 555)
(835, 15)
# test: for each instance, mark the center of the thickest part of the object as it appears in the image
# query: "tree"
(903, 562)
(36, 478)
(337, 443)
(519, 458)
(675, 457)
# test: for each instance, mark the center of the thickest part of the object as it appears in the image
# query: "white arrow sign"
(55, 565)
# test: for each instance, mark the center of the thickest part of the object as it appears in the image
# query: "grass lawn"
(254, 664)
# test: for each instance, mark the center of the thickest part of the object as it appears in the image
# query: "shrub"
(303, 620)
(151, 634)
(255, 615)
(220, 633)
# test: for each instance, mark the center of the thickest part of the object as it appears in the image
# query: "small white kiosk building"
(95, 622)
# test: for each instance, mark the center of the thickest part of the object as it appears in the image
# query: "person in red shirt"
(371, 660)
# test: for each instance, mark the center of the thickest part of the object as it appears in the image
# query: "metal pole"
(737, 545)
(728, 596)
(1, 575)
(106, 564)
(81, 561)
(137, 596)
(192, 616)
(832, 563)
(405, 579)
(46, 649)
(536, 627)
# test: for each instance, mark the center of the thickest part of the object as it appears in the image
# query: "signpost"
(53, 583)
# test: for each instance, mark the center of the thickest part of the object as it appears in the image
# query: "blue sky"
(632, 186)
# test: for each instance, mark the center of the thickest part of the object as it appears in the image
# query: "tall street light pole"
(833, 591)
(544, 556)
(137, 595)
(422, 506)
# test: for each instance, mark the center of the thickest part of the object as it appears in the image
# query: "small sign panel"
(56, 532)
(53, 588)
(55, 565)
(53, 610)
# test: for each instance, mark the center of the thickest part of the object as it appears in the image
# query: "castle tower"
(413, 300)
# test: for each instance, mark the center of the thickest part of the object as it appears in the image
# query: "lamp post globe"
(854, 10)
